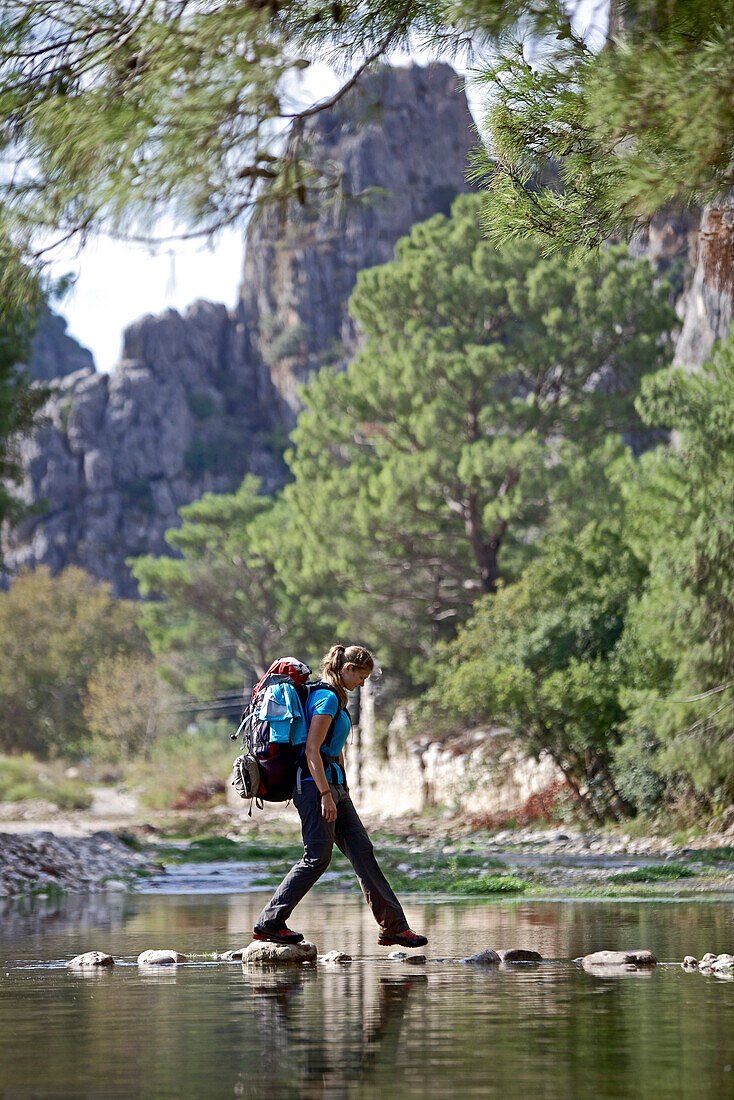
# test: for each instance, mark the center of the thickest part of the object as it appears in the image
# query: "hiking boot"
(406, 938)
(276, 935)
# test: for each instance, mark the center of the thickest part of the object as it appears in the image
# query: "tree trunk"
(583, 799)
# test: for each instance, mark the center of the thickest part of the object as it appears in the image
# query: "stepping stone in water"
(484, 958)
(161, 958)
(335, 957)
(261, 953)
(637, 957)
(90, 959)
(520, 955)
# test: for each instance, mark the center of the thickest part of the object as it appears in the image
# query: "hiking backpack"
(274, 730)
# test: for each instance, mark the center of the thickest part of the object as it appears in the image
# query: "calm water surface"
(372, 1029)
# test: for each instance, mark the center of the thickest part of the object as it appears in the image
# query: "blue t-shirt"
(323, 701)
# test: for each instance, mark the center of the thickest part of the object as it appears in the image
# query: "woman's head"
(346, 667)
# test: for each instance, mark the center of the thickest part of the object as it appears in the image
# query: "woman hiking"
(327, 814)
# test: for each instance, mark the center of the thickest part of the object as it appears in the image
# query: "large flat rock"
(161, 958)
(260, 953)
(637, 957)
(89, 960)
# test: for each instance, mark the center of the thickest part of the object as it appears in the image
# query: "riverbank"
(41, 862)
(112, 848)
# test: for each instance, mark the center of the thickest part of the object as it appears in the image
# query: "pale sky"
(116, 283)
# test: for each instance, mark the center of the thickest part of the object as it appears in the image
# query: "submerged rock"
(398, 955)
(335, 957)
(520, 955)
(636, 957)
(161, 958)
(483, 958)
(233, 956)
(89, 959)
(261, 953)
(416, 960)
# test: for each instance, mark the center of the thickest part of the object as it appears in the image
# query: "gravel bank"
(38, 860)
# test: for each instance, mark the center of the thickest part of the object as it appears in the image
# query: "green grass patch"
(23, 778)
(714, 855)
(488, 884)
(654, 872)
(218, 849)
(449, 882)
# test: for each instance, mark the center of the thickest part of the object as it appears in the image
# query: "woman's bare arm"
(317, 732)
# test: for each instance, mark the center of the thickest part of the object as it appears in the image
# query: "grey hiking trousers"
(319, 837)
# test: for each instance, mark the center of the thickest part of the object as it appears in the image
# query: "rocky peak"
(53, 352)
(401, 141)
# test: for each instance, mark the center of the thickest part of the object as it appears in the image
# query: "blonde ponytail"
(334, 661)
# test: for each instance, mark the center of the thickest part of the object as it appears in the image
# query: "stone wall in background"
(480, 771)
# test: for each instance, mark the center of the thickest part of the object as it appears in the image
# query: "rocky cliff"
(401, 146)
(54, 353)
(198, 400)
(706, 309)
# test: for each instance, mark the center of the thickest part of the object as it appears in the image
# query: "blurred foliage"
(223, 608)
(625, 131)
(119, 115)
(177, 765)
(126, 707)
(21, 296)
(23, 778)
(56, 631)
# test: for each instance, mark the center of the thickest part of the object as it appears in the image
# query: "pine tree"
(423, 473)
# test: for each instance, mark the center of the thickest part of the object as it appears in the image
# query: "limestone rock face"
(406, 133)
(53, 352)
(186, 411)
(706, 310)
(262, 953)
(200, 399)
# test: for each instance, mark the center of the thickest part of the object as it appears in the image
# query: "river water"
(375, 1028)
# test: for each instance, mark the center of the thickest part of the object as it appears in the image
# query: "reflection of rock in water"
(326, 1060)
(28, 916)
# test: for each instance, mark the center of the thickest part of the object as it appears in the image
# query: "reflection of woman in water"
(327, 813)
